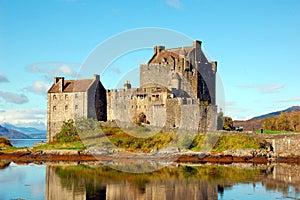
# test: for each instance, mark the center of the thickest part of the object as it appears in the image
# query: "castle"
(176, 93)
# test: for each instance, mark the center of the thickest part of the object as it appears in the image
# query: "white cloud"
(264, 88)
(174, 3)
(15, 98)
(3, 78)
(52, 69)
(295, 99)
(38, 87)
(115, 70)
(65, 69)
(25, 117)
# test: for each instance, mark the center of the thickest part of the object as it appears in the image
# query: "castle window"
(54, 97)
(66, 97)
(54, 108)
(66, 107)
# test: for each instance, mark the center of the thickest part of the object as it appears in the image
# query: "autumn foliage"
(283, 122)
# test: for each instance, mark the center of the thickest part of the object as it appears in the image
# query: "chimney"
(197, 44)
(61, 82)
(96, 77)
(214, 67)
(158, 49)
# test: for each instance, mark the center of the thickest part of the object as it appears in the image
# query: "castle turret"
(127, 85)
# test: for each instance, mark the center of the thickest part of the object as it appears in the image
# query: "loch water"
(26, 142)
(93, 180)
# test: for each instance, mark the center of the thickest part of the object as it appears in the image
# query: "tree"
(68, 132)
(228, 124)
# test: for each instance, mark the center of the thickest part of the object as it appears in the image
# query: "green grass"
(76, 145)
(124, 141)
(274, 132)
(199, 142)
(114, 137)
(234, 142)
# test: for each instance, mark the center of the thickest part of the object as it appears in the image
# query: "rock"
(97, 151)
(168, 150)
(36, 144)
(60, 152)
(243, 153)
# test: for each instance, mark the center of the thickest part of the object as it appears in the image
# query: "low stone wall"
(285, 143)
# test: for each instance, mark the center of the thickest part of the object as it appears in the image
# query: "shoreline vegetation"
(77, 144)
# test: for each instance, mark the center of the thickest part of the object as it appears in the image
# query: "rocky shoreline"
(168, 155)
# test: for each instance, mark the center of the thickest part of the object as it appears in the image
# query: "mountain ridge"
(276, 113)
(29, 131)
(255, 123)
(13, 134)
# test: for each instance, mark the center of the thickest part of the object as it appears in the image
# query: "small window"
(54, 97)
(54, 108)
(66, 107)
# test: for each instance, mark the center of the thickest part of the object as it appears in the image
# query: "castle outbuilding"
(176, 93)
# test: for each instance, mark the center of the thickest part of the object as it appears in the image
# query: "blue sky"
(256, 44)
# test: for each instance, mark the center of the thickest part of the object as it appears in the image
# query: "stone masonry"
(177, 93)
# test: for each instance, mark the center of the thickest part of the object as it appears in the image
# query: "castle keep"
(176, 93)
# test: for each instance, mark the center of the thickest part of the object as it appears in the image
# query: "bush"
(68, 132)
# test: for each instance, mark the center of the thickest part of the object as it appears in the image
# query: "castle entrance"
(142, 118)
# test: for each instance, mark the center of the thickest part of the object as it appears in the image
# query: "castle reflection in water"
(204, 182)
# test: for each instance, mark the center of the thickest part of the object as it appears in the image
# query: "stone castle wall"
(176, 82)
(64, 106)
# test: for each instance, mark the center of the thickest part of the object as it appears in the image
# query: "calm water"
(93, 181)
(25, 142)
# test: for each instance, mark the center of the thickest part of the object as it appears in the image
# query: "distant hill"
(256, 122)
(276, 113)
(12, 134)
(32, 132)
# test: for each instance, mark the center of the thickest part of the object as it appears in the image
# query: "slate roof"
(72, 86)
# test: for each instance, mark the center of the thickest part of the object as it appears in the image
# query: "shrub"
(68, 132)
